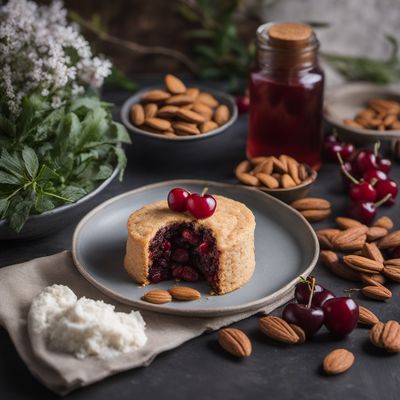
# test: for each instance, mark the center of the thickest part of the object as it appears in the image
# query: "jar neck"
(272, 57)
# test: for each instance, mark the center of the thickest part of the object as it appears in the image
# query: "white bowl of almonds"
(282, 177)
(175, 112)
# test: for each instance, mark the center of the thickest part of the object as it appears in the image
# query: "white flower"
(40, 51)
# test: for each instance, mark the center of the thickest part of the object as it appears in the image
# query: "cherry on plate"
(310, 319)
(177, 199)
(201, 206)
(341, 315)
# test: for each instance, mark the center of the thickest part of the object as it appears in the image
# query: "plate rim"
(199, 312)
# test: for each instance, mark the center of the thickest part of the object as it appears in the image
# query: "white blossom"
(40, 51)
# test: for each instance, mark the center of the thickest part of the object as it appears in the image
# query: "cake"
(164, 244)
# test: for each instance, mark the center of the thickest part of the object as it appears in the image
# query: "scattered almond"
(363, 264)
(384, 222)
(315, 215)
(366, 316)
(390, 241)
(373, 279)
(278, 329)
(375, 233)
(311, 203)
(235, 342)
(377, 292)
(157, 296)
(338, 361)
(346, 223)
(371, 250)
(184, 293)
(386, 336)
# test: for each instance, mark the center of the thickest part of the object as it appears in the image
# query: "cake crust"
(232, 226)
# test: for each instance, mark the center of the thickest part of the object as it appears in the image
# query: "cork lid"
(289, 34)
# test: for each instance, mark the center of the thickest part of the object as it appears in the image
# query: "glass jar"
(286, 94)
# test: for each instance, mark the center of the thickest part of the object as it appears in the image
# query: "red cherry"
(177, 199)
(341, 315)
(362, 211)
(362, 191)
(364, 161)
(374, 174)
(310, 319)
(347, 151)
(331, 150)
(384, 164)
(302, 293)
(243, 104)
(383, 188)
(201, 206)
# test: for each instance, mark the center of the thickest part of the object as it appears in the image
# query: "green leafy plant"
(51, 157)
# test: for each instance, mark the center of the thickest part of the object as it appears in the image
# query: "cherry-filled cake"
(167, 241)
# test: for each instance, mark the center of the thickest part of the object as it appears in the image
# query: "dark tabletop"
(199, 369)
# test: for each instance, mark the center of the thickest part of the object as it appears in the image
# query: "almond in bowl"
(178, 112)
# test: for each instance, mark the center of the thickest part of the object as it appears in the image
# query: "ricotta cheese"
(84, 327)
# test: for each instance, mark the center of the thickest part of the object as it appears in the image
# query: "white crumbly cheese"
(84, 327)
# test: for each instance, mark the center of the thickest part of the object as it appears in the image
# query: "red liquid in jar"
(286, 115)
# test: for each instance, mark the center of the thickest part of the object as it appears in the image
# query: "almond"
(373, 279)
(375, 233)
(346, 223)
(392, 272)
(137, 115)
(366, 316)
(279, 166)
(324, 241)
(293, 169)
(370, 250)
(329, 233)
(287, 181)
(157, 297)
(351, 245)
(278, 329)
(300, 333)
(155, 96)
(283, 158)
(377, 292)
(386, 336)
(363, 264)
(330, 260)
(184, 293)
(179, 100)
(174, 85)
(328, 257)
(303, 174)
(244, 166)
(158, 124)
(185, 128)
(202, 109)
(208, 126)
(315, 215)
(338, 361)
(150, 110)
(221, 115)
(311, 203)
(169, 134)
(390, 241)
(267, 167)
(342, 239)
(167, 111)
(248, 179)
(193, 92)
(384, 222)
(207, 99)
(393, 262)
(235, 342)
(190, 116)
(267, 180)
(261, 159)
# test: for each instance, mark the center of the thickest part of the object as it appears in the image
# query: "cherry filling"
(180, 251)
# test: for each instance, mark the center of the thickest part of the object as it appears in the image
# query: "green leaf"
(104, 172)
(43, 203)
(7, 128)
(31, 161)
(73, 193)
(12, 164)
(122, 161)
(4, 203)
(9, 179)
(21, 213)
(120, 133)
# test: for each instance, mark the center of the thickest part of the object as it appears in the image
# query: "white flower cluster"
(40, 50)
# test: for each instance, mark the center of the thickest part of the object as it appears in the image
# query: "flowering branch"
(133, 46)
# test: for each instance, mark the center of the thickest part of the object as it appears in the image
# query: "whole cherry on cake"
(198, 205)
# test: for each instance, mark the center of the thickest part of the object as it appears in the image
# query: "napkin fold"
(61, 372)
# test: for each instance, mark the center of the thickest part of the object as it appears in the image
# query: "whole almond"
(293, 169)
(363, 264)
(283, 158)
(375, 233)
(390, 241)
(190, 116)
(207, 99)
(150, 110)
(346, 223)
(157, 296)
(184, 293)
(169, 134)
(259, 167)
(328, 257)
(137, 114)
(179, 100)
(221, 115)
(267, 167)
(329, 233)
(267, 180)
(287, 181)
(185, 128)
(377, 292)
(193, 92)
(158, 124)
(373, 279)
(260, 159)
(279, 166)
(202, 109)
(342, 239)
(174, 84)
(366, 316)
(315, 215)
(311, 203)
(303, 174)
(167, 111)
(235, 342)
(340, 269)
(208, 126)
(248, 179)
(375, 334)
(324, 241)
(299, 331)
(338, 361)
(370, 250)
(384, 222)
(278, 329)
(155, 96)
(392, 272)
(393, 262)
(351, 245)
(244, 166)
(386, 336)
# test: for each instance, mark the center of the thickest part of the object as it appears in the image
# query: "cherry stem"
(204, 191)
(312, 292)
(383, 201)
(373, 182)
(347, 173)
(377, 145)
(348, 292)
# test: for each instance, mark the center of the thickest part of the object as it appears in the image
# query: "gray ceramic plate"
(286, 247)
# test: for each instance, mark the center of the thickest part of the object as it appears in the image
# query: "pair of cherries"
(317, 306)
(198, 205)
(332, 146)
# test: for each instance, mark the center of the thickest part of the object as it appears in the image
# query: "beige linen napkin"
(62, 373)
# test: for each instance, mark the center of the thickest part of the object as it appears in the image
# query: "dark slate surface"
(199, 369)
